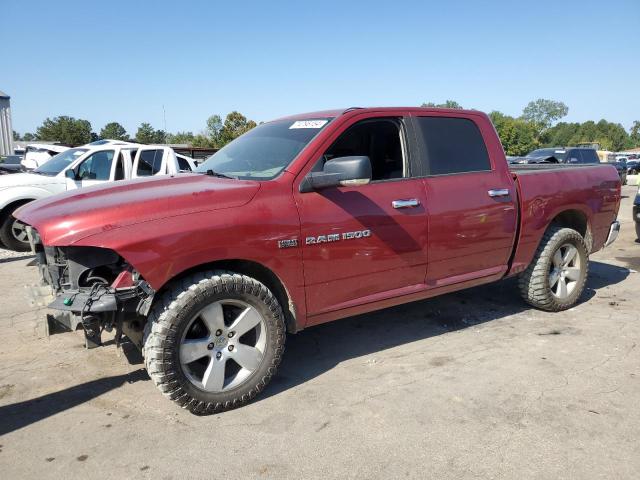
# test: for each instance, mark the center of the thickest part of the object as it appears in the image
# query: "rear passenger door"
(469, 199)
(151, 160)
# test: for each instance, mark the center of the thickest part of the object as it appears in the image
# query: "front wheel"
(557, 274)
(214, 341)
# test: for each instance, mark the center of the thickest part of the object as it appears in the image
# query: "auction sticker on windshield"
(308, 124)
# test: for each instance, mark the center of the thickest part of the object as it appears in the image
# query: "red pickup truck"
(309, 219)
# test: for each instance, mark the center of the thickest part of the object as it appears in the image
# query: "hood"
(68, 217)
(27, 180)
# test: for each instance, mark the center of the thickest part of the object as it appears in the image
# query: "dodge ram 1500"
(309, 219)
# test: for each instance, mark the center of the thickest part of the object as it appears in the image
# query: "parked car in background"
(569, 155)
(76, 168)
(633, 167)
(37, 154)
(621, 167)
(11, 164)
(305, 220)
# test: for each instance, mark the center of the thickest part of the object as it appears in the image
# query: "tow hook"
(92, 331)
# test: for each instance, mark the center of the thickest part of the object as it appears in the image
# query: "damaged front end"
(93, 288)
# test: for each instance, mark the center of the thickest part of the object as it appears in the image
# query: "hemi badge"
(289, 243)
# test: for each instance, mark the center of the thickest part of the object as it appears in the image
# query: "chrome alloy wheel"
(566, 268)
(223, 345)
(19, 231)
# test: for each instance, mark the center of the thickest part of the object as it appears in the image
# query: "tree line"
(74, 131)
(537, 126)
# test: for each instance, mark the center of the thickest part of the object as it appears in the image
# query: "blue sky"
(122, 61)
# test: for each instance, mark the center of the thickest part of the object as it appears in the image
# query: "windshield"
(59, 162)
(548, 152)
(265, 151)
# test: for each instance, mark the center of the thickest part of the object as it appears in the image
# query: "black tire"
(7, 237)
(169, 319)
(534, 282)
(637, 230)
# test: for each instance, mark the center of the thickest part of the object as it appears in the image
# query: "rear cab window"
(451, 145)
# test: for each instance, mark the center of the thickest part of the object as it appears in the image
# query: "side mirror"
(71, 174)
(339, 172)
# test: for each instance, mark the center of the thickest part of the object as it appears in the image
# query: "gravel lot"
(469, 385)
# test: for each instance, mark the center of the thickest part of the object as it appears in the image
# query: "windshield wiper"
(212, 173)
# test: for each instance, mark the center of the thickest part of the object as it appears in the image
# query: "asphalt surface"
(468, 385)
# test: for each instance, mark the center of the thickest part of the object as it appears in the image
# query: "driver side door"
(363, 244)
(94, 170)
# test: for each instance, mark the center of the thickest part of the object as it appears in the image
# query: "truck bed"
(591, 191)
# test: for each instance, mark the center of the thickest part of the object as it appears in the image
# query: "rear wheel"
(13, 233)
(556, 277)
(214, 341)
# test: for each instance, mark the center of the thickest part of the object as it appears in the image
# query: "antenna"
(164, 116)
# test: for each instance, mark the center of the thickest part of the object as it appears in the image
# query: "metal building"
(6, 129)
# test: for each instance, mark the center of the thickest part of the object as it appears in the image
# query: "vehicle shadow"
(316, 350)
(15, 259)
(18, 415)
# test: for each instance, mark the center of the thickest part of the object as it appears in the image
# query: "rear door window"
(149, 163)
(589, 156)
(452, 145)
(574, 156)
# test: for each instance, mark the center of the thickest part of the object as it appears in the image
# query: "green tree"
(16, 136)
(28, 137)
(114, 131)
(214, 130)
(518, 136)
(235, 124)
(145, 133)
(160, 136)
(560, 135)
(634, 137)
(65, 129)
(543, 113)
(446, 104)
(203, 141)
(181, 137)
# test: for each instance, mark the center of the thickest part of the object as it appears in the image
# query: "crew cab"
(80, 167)
(305, 220)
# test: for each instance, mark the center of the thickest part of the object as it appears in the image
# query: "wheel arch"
(254, 270)
(9, 207)
(576, 220)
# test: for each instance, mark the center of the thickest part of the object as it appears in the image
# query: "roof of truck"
(341, 111)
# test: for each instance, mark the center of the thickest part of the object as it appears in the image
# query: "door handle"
(499, 192)
(409, 203)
